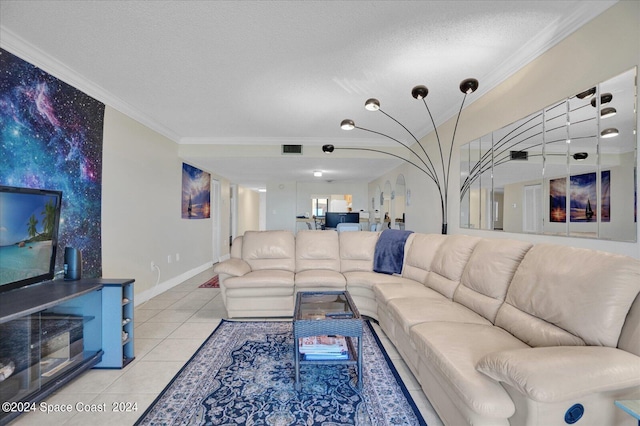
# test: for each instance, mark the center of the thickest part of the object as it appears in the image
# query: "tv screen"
(332, 219)
(29, 221)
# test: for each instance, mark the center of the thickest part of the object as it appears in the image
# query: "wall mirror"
(385, 201)
(568, 170)
(399, 202)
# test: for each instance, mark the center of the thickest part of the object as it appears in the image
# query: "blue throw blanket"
(389, 253)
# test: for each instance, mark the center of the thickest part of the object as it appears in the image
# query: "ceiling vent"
(291, 149)
(519, 155)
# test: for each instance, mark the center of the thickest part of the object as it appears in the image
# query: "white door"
(532, 209)
(215, 216)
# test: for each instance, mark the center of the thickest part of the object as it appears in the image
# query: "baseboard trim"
(169, 284)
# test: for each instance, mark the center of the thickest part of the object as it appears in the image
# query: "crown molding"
(550, 36)
(280, 141)
(26, 51)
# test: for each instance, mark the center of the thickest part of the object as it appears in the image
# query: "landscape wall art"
(51, 138)
(196, 193)
(583, 198)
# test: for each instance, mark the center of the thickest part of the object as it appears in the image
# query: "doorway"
(215, 238)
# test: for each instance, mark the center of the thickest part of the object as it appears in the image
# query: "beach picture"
(583, 199)
(196, 193)
(558, 200)
(26, 240)
(605, 185)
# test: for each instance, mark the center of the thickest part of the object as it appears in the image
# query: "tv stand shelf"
(53, 331)
(38, 297)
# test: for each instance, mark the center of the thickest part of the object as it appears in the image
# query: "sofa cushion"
(319, 280)
(411, 311)
(236, 248)
(420, 250)
(630, 336)
(356, 250)
(563, 295)
(317, 250)
(449, 262)
(452, 350)
(369, 280)
(488, 273)
(263, 280)
(387, 291)
(269, 250)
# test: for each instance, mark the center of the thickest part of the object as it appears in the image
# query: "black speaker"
(72, 264)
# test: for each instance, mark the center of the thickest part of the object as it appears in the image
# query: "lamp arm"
(435, 129)
(425, 171)
(413, 136)
(508, 137)
(446, 174)
(480, 167)
(432, 172)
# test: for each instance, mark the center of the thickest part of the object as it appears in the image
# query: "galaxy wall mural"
(51, 138)
(196, 193)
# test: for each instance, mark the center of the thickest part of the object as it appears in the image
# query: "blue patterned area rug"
(244, 375)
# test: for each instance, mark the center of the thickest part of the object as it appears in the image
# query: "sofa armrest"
(232, 267)
(560, 373)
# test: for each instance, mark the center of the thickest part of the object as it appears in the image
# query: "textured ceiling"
(272, 72)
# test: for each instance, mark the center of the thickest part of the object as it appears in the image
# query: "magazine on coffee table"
(319, 348)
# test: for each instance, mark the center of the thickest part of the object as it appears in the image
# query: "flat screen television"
(29, 222)
(332, 219)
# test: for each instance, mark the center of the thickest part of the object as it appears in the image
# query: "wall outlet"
(177, 257)
(153, 266)
(169, 259)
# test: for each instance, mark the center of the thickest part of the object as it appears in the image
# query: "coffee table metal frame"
(351, 328)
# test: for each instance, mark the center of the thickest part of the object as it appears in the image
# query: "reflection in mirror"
(476, 196)
(399, 202)
(375, 202)
(386, 205)
(568, 169)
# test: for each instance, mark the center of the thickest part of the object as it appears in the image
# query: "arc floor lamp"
(423, 161)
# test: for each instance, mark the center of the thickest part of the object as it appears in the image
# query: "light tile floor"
(169, 328)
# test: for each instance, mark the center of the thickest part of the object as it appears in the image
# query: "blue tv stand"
(53, 331)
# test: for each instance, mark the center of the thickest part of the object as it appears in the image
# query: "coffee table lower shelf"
(355, 358)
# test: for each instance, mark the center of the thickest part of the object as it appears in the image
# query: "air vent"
(519, 155)
(291, 149)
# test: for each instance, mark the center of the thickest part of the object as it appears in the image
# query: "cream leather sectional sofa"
(496, 331)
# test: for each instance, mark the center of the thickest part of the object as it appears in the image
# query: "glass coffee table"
(332, 315)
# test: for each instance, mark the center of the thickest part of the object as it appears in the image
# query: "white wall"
(581, 60)
(141, 216)
(281, 206)
(248, 210)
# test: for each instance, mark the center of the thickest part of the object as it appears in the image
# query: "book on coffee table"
(320, 348)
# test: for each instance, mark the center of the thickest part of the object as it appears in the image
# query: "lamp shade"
(372, 104)
(419, 92)
(609, 133)
(579, 156)
(469, 85)
(347, 124)
(605, 98)
(587, 93)
(608, 112)
(327, 149)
